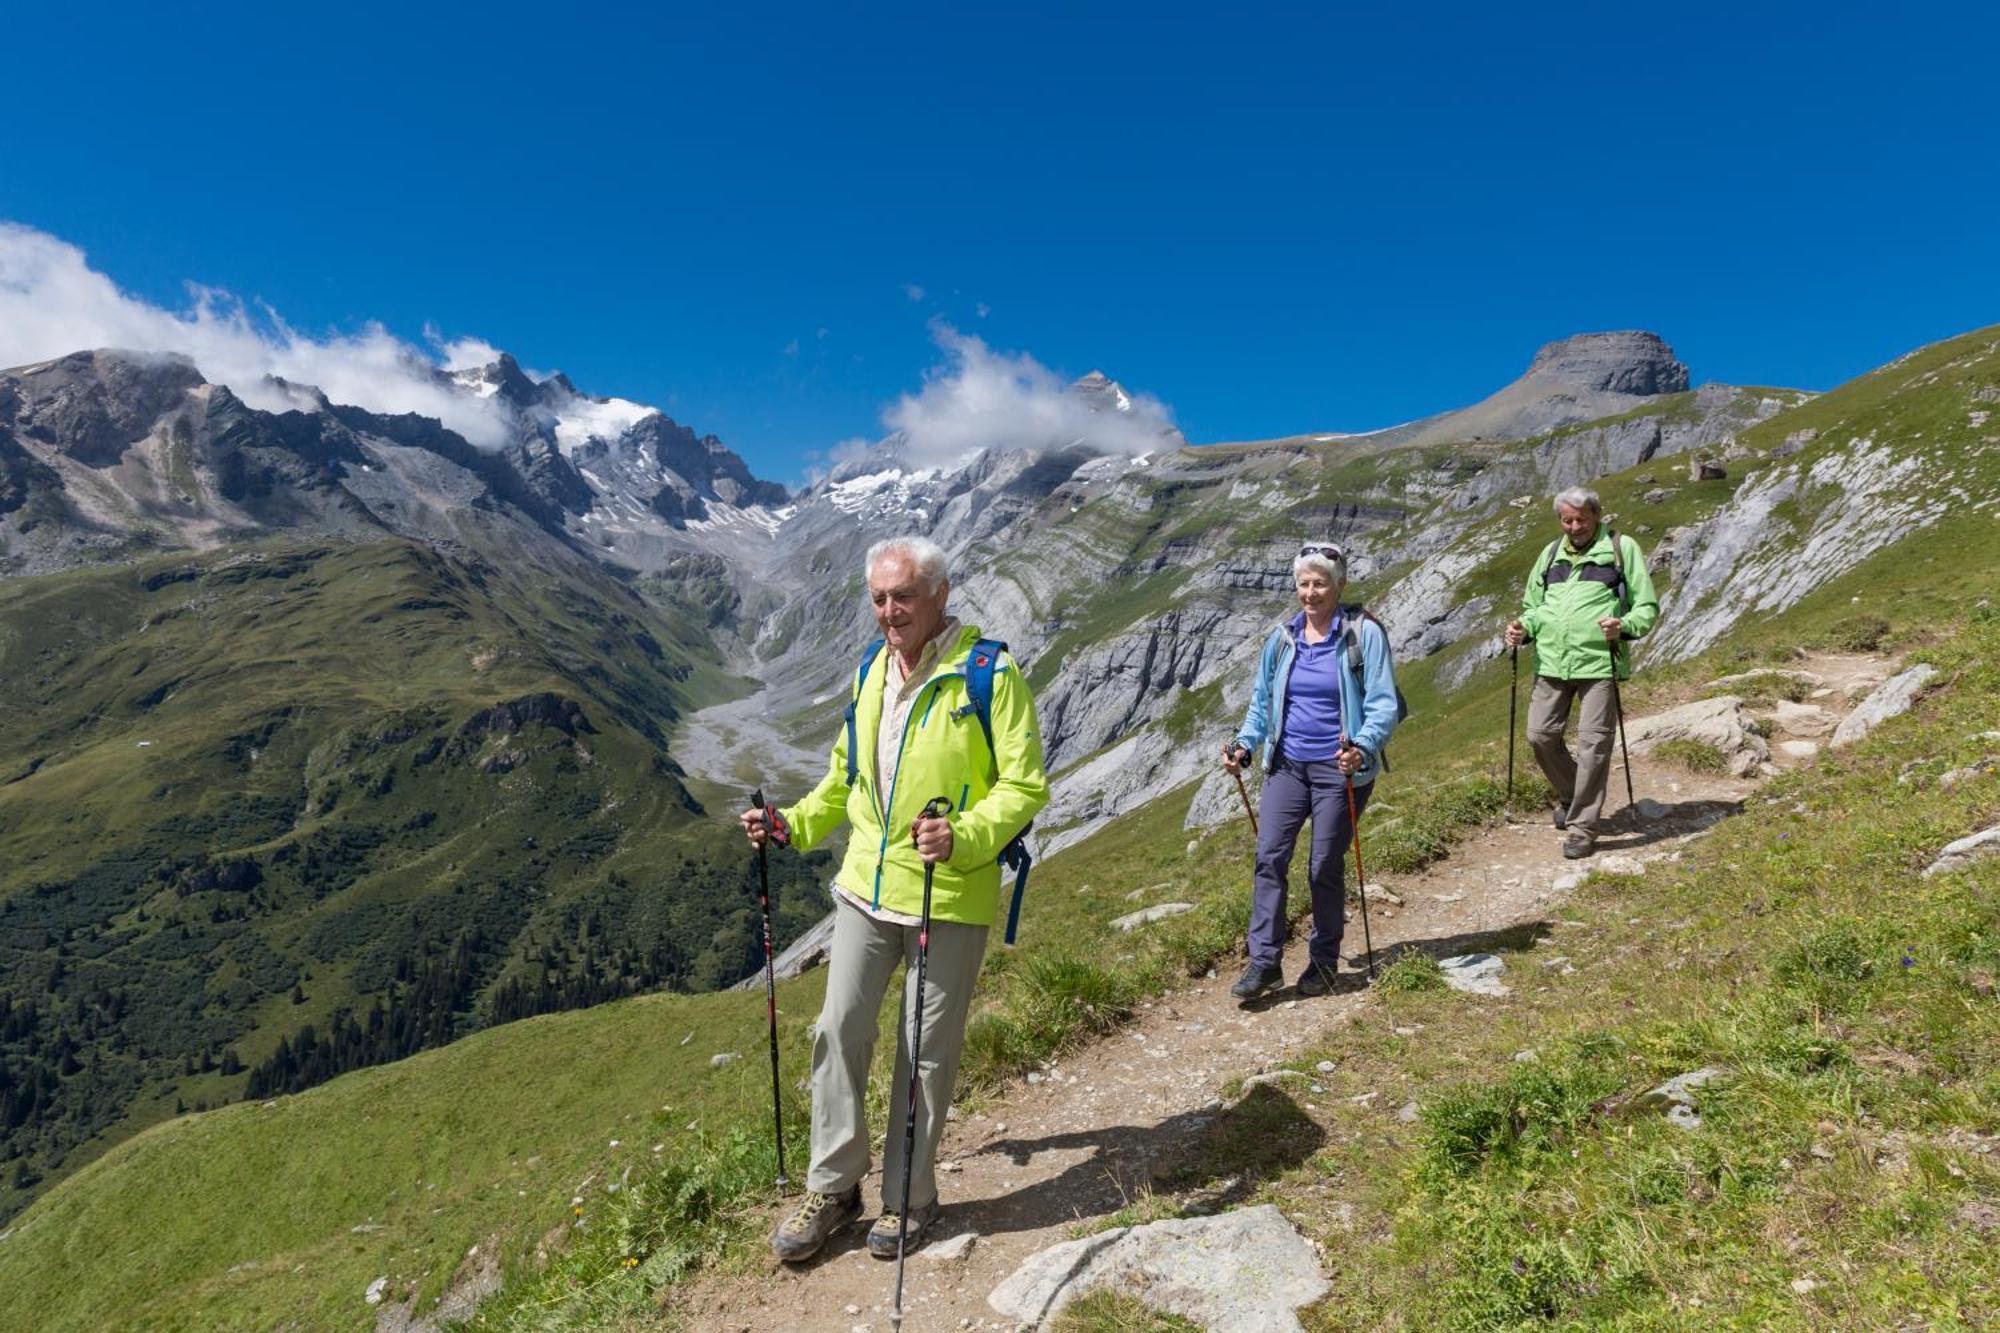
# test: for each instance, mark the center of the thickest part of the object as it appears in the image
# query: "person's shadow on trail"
(1221, 1155)
(1627, 829)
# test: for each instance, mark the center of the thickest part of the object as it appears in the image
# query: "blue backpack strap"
(979, 669)
(868, 656)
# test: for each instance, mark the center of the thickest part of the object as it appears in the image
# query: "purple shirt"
(1312, 700)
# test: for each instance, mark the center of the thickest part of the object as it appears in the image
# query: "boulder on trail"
(1720, 722)
(1474, 973)
(1891, 698)
(1245, 1271)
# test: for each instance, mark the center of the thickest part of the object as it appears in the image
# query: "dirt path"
(1084, 1139)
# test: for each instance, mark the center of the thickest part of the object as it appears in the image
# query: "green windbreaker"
(994, 793)
(1562, 618)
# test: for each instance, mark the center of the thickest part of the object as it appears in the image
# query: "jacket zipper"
(888, 805)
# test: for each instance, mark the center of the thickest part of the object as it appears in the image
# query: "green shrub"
(1857, 634)
(1412, 971)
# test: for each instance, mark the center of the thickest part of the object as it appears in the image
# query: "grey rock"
(722, 1059)
(944, 1251)
(1986, 767)
(1720, 722)
(1799, 749)
(1659, 495)
(1958, 855)
(1891, 698)
(1245, 1271)
(376, 1290)
(1676, 1096)
(1619, 865)
(1474, 973)
(1764, 676)
(1803, 719)
(1146, 916)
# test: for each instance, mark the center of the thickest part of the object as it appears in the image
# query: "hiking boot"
(1578, 845)
(1317, 980)
(882, 1236)
(1560, 818)
(799, 1237)
(1257, 979)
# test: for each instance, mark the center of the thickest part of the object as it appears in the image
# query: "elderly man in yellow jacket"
(916, 734)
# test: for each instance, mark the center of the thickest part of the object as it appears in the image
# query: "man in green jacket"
(917, 736)
(1582, 603)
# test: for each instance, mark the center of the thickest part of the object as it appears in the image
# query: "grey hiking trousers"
(864, 956)
(1580, 780)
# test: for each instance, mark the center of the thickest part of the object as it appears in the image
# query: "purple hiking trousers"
(1294, 792)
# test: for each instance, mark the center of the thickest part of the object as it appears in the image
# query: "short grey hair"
(1578, 497)
(1336, 570)
(924, 555)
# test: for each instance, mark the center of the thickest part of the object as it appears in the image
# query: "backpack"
(979, 669)
(1350, 637)
(1611, 576)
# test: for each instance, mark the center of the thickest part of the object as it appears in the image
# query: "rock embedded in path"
(1803, 719)
(1145, 916)
(1720, 722)
(1474, 973)
(1798, 749)
(1891, 698)
(1958, 855)
(944, 1251)
(1245, 1271)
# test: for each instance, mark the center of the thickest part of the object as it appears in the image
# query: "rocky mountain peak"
(1630, 361)
(92, 405)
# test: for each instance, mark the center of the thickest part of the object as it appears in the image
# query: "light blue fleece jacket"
(1370, 697)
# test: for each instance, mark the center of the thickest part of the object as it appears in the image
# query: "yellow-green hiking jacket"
(994, 793)
(1562, 617)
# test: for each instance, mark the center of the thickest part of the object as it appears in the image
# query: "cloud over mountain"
(979, 398)
(53, 303)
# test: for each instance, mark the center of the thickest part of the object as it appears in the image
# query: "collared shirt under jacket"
(1561, 619)
(941, 752)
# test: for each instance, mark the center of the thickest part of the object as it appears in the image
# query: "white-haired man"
(1586, 596)
(917, 729)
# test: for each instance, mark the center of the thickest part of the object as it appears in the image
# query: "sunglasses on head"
(1330, 552)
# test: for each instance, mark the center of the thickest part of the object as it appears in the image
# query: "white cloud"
(981, 399)
(984, 310)
(914, 292)
(53, 303)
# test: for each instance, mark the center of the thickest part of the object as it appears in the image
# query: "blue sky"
(1275, 220)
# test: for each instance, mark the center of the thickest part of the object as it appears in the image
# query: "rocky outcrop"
(93, 406)
(1245, 1271)
(1720, 722)
(1891, 698)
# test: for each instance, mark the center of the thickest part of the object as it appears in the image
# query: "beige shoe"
(800, 1236)
(882, 1236)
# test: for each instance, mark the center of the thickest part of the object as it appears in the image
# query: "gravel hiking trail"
(1090, 1133)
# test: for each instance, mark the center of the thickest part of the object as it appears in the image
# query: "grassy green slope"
(242, 792)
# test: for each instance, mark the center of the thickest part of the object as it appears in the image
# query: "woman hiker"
(1323, 707)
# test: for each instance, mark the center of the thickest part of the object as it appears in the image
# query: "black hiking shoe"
(1318, 979)
(882, 1236)
(1578, 845)
(1257, 979)
(800, 1236)
(1560, 818)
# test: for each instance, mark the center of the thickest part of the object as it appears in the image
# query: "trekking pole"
(1360, 878)
(770, 983)
(1513, 707)
(1618, 705)
(935, 808)
(1244, 792)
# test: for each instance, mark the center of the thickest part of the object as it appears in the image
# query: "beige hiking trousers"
(1579, 780)
(864, 956)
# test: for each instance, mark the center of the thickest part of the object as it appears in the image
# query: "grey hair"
(924, 555)
(1578, 497)
(1336, 570)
